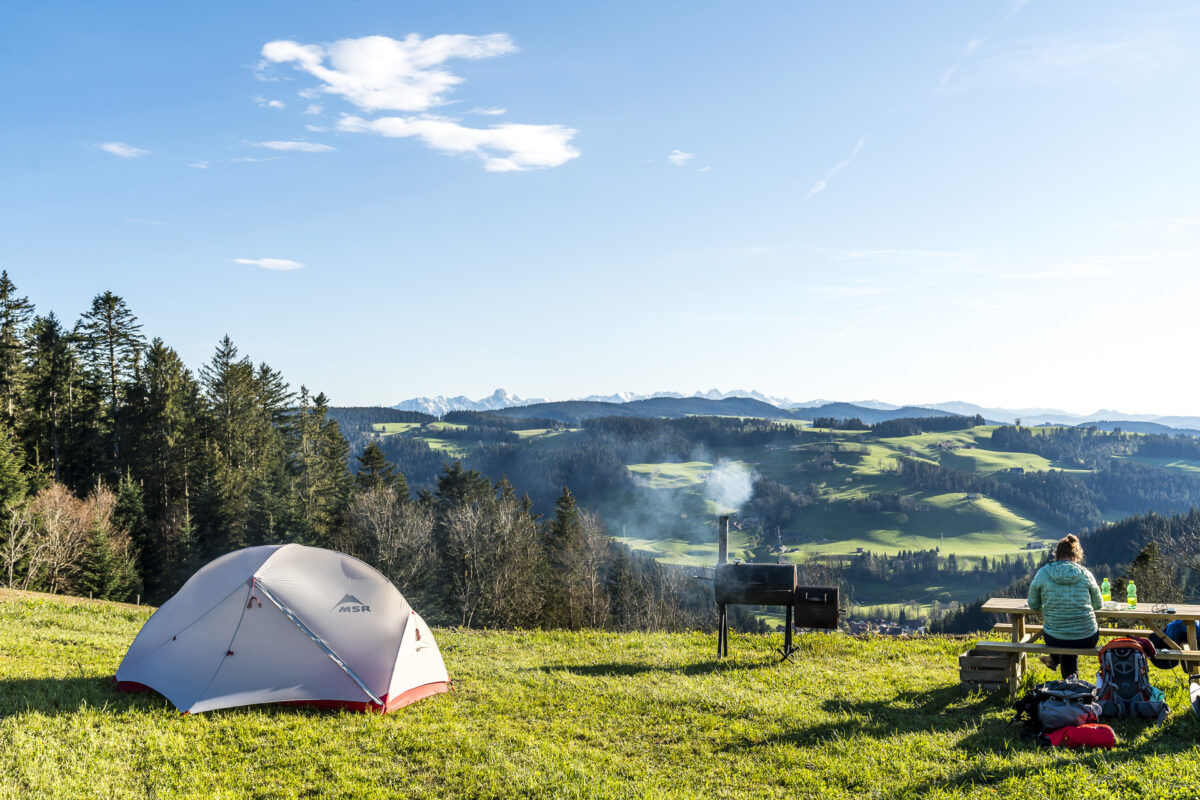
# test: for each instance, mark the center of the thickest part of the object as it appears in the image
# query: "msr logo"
(349, 604)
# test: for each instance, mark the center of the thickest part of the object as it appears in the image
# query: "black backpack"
(1056, 704)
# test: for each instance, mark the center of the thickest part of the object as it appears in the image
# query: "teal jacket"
(1066, 594)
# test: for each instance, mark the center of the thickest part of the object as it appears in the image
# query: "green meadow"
(563, 715)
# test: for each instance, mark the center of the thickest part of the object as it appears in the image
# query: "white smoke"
(729, 484)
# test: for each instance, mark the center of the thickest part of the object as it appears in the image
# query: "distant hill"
(867, 415)
(572, 412)
(1131, 426)
(756, 404)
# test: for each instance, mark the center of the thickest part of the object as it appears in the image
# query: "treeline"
(471, 553)
(914, 426)
(122, 472)
(901, 426)
(913, 565)
(488, 419)
(1083, 447)
(777, 505)
(841, 424)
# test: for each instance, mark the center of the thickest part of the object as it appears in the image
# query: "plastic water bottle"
(1131, 595)
(1106, 591)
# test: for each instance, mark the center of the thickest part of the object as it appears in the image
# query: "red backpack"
(1089, 735)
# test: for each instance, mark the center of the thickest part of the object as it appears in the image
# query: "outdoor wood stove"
(770, 585)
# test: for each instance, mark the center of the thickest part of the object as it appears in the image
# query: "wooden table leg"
(1016, 661)
(1193, 668)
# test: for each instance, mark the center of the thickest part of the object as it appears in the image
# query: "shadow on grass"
(627, 668)
(61, 696)
(69, 695)
(985, 722)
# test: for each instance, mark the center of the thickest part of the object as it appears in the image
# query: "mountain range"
(753, 403)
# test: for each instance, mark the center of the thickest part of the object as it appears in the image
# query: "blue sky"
(987, 201)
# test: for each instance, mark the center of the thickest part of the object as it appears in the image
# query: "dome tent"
(285, 623)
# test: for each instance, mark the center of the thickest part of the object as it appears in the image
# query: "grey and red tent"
(286, 623)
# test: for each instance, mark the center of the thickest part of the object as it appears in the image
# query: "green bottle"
(1131, 595)
(1106, 591)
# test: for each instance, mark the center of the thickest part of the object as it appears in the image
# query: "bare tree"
(61, 522)
(492, 554)
(593, 563)
(398, 534)
(19, 544)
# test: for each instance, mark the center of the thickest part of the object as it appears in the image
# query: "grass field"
(563, 715)
(1178, 464)
(672, 475)
(394, 427)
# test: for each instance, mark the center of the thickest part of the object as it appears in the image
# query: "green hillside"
(560, 715)
(863, 465)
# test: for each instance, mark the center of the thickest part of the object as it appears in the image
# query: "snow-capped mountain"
(440, 405)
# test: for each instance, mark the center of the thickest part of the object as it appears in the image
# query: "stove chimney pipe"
(722, 539)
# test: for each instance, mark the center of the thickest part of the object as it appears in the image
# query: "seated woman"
(1067, 596)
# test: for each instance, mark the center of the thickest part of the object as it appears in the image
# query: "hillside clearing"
(560, 715)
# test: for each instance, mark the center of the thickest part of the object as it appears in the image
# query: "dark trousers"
(1069, 664)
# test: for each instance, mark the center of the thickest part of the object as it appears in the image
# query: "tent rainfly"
(286, 623)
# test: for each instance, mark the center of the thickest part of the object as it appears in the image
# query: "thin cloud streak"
(820, 185)
(122, 150)
(278, 264)
(297, 146)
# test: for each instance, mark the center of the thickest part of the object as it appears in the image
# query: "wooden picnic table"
(1154, 616)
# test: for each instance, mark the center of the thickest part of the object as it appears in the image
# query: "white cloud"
(315, 128)
(270, 263)
(705, 169)
(252, 159)
(122, 150)
(820, 185)
(263, 102)
(378, 73)
(199, 165)
(508, 147)
(314, 108)
(297, 146)
(679, 158)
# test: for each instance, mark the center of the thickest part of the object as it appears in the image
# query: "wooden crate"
(979, 669)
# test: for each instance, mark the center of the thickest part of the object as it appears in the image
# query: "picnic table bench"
(1023, 635)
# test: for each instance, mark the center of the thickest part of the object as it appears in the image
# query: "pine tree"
(98, 574)
(15, 314)
(111, 345)
(13, 485)
(375, 471)
(242, 445)
(167, 459)
(563, 543)
(319, 469)
(51, 389)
